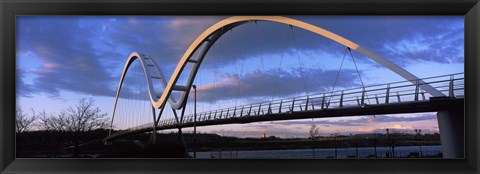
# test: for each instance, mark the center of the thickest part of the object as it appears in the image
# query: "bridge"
(442, 94)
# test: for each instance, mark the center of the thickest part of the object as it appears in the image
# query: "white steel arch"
(150, 74)
(205, 40)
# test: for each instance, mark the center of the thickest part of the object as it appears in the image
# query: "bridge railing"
(451, 85)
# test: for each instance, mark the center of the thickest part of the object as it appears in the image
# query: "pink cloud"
(186, 29)
(50, 65)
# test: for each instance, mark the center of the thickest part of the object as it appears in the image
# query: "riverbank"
(64, 144)
(340, 153)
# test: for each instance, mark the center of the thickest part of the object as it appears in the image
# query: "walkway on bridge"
(391, 98)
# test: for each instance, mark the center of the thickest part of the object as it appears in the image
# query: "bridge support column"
(182, 143)
(153, 137)
(452, 127)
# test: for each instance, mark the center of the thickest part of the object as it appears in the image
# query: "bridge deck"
(434, 104)
(391, 98)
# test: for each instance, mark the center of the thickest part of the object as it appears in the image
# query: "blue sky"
(63, 58)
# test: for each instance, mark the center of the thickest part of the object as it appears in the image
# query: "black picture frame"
(11, 8)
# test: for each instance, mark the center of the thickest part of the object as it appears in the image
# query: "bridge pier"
(182, 143)
(153, 138)
(451, 126)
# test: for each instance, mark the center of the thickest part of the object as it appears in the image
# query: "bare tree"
(335, 136)
(82, 117)
(314, 131)
(51, 121)
(355, 141)
(393, 136)
(85, 117)
(24, 123)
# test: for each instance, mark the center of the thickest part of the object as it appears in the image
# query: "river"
(363, 152)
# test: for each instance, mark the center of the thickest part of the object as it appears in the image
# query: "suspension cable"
(214, 77)
(236, 79)
(261, 60)
(248, 37)
(135, 96)
(279, 68)
(191, 103)
(299, 61)
(200, 80)
(197, 81)
(261, 55)
(359, 75)
(131, 101)
(358, 72)
(338, 74)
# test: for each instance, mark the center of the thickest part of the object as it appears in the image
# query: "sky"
(63, 58)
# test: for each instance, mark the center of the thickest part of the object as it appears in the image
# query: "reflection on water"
(363, 152)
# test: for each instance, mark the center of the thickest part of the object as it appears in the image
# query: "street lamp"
(194, 121)
(419, 132)
(335, 142)
(389, 141)
(375, 143)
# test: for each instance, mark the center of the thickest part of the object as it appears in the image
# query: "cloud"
(164, 38)
(358, 124)
(175, 34)
(258, 129)
(87, 54)
(184, 30)
(398, 126)
(277, 82)
(69, 61)
(384, 34)
(22, 89)
(362, 120)
(445, 48)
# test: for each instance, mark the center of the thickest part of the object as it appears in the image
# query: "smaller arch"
(145, 61)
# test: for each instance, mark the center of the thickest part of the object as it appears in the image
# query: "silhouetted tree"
(314, 131)
(78, 119)
(393, 137)
(355, 141)
(335, 136)
(373, 141)
(24, 123)
(51, 122)
(84, 116)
